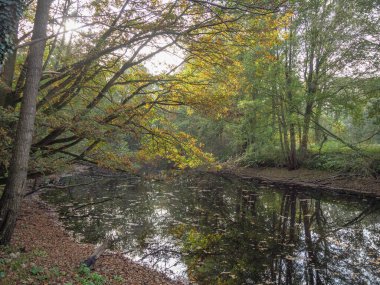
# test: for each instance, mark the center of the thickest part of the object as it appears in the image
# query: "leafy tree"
(95, 83)
(319, 72)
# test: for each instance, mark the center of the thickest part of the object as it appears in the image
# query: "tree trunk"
(7, 78)
(282, 123)
(293, 164)
(317, 130)
(9, 70)
(9, 63)
(292, 157)
(11, 199)
(306, 127)
(10, 14)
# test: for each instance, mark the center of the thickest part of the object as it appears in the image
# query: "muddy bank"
(41, 246)
(309, 180)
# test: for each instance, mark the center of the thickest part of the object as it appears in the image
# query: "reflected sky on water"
(206, 229)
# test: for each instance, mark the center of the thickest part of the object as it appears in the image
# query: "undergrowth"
(19, 267)
(337, 157)
(333, 156)
(264, 156)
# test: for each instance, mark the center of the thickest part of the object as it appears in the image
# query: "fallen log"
(90, 261)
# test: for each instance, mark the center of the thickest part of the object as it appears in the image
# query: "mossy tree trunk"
(14, 190)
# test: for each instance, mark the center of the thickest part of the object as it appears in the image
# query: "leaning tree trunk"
(13, 192)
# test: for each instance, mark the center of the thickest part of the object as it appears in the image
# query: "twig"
(36, 189)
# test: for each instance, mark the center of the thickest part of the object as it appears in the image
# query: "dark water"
(205, 229)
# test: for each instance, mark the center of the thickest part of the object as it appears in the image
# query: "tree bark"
(10, 12)
(306, 126)
(317, 130)
(7, 78)
(9, 63)
(11, 199)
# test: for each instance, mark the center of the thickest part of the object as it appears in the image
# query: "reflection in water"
(210, 230)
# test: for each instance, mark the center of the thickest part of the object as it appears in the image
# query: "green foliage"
(263, 156)
(280, 86)
(55, 271)
(86, 277)
(36, 270)
(240, 93)
(15, 263)
(337, 157)
(217, 136)
(84, 270)
(25, 266)
(40, 253)
(119, 279)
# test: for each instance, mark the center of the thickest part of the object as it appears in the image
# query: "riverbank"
(309, 180)
(42, 252)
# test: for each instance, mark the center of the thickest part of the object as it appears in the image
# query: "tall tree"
(14, 189)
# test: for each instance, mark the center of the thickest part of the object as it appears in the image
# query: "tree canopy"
(267, 81)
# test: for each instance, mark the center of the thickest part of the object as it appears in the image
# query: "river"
(206, 229)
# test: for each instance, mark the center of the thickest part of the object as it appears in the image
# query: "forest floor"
(310, 179)
(42, 252)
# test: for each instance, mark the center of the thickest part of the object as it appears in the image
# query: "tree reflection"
(273, 240)
(225, 231)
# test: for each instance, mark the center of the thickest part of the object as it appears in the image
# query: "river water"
(206, 229)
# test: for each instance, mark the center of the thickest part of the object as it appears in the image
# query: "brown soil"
(38, 230)
(310, 179)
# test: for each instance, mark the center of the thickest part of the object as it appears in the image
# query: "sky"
(161, 63)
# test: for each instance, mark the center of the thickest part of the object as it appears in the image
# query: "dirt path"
(43, 253)
(310, 179)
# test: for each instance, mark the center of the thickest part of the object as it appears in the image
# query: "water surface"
(206, 229)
